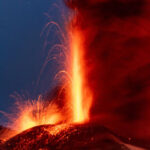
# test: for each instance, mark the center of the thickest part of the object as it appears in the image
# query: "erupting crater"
(96, 44)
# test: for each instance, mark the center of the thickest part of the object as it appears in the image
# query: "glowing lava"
(77, 82)
(81, 96)
(35, 113)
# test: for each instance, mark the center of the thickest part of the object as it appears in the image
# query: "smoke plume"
(117, 61)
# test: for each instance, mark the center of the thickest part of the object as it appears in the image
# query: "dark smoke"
(117, 61)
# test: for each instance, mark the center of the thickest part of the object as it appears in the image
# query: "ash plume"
(117, 61)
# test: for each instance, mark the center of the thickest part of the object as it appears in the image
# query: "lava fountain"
(76, 105)
(81, 100)
(77, 101)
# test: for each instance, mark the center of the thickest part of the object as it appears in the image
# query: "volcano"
(108, 89)
(67, 137)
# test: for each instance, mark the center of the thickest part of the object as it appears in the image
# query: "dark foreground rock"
(66, 137)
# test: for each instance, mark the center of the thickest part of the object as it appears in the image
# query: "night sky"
(21, 47)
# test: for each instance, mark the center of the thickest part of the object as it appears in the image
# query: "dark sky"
(21, 47)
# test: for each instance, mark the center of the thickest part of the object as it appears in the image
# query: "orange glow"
(77, 96)
(34, 113)
(79, 90)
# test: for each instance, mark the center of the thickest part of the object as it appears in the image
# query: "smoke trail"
(116, 44)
